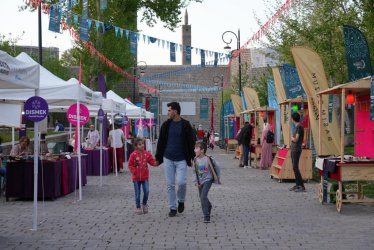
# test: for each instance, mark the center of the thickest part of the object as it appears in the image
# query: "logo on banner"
(36, 109)
(100, 115)
(73, 117)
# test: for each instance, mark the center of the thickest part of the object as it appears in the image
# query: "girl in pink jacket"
(138, 166)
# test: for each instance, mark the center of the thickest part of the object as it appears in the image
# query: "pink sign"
(142, 121)
(72, 114)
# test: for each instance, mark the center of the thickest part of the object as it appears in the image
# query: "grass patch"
(6, 134)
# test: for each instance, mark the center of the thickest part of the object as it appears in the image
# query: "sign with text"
(100, 115)
(73, 117)
(36, 109)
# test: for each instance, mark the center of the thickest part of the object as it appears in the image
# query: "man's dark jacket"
(189, 141)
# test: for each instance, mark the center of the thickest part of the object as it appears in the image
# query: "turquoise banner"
(54, 18)
(291, 81)
(153, 106)
(204, 107)
(357, 53)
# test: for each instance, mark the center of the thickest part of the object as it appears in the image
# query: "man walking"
(296, 145)
(244, 140)
(175, 148)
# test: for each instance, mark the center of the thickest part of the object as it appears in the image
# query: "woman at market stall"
(22, 148)
(266, 147)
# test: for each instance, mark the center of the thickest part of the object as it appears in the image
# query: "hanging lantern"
(262, 114)
(350, 99)
(295, 108)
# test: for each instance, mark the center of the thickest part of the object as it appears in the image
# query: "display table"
(55, 178)
(93, 161)
(350, 170)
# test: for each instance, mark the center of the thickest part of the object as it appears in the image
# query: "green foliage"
(318, 24)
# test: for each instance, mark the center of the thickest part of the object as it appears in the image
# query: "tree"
(318, 24)
(121, 13)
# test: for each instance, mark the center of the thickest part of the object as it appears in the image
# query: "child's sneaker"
(145, 209)
(138, 211)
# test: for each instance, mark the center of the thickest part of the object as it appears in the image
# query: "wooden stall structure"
(359, 167)
(282, 168)
(259, 114)
(230, 122)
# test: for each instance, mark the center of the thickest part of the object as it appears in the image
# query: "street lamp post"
(227, 47)
(141, 65)
(216, 80)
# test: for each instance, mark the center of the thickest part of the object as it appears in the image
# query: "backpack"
(270, 137)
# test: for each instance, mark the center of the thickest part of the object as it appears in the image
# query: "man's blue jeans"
(137, 188)
(246, 153)
(175, 171)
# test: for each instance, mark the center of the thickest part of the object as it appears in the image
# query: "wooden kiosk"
(258, 114)
(282, 168)
(359, 167)
(230, 132)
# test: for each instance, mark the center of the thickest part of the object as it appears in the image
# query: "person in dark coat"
(175, 148)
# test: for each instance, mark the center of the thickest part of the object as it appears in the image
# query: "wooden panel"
(357, 172)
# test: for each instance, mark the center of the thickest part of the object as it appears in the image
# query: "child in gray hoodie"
(207, 171)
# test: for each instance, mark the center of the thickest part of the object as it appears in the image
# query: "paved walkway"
(250, 211)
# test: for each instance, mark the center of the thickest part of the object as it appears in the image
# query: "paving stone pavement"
(250, 211)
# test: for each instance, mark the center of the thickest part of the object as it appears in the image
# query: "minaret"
(186, 38)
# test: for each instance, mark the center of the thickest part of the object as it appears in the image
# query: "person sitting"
(22, 148)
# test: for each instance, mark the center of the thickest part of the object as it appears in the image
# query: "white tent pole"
(79, 148)
(101, 154)
(70, 130)
(114, 146)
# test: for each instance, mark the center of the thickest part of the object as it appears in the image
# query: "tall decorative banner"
(237, 104)
(153, 105)
(202, 55)
(273, 103)
(313, 79)
(172, 52)
(54, 18)
(281, 97)
(357, 53)
(84, 23)
(372, 99)
(204, 106)
(291, 81)
(103, 5)
(133, 43)
(188, 55)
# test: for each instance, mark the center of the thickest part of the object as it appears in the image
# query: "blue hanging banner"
(357, 53)
(103, 5)
(133, 43)
(172, 52)
(204, 103)
(291, 81)
(188, 55)
(85, 9)
(202, 55)
(153, 105)
(372, 99)
(273, 103)
(54, 18)
(84, 29)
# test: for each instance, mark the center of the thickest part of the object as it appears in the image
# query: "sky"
(208, 21)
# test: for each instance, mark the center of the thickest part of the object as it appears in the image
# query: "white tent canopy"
(53, 89)
(132, 111)
(17, 74)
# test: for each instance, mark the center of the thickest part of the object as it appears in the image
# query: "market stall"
(360, 166)
(258, 115)
(281, 167)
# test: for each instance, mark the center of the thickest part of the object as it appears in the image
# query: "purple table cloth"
(93, 162)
